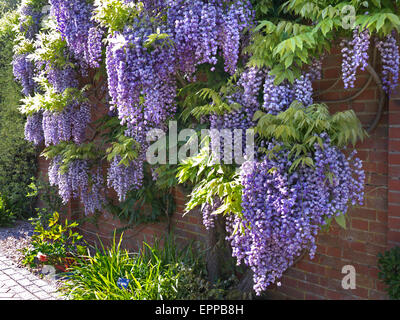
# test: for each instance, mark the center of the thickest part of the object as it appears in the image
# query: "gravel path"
(12, 240)
(16, 282)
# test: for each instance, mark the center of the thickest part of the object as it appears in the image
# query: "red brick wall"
(371, 229)
(185, 227)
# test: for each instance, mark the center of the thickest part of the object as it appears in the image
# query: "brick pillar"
(393, 236)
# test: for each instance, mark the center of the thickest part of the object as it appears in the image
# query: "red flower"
(42, 257)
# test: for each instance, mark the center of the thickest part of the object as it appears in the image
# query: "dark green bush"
(7, 216)
(389, 271)
(17, 156)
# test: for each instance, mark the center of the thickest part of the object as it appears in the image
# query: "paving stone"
(19, 284)
(40, 283)
(4, 277)
(24, 282)
(18, 289)
(9, 271)
(48, 289)
(32, 288)
(10, 283)
(18, 276)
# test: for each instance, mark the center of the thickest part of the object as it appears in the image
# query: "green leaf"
(341, 220)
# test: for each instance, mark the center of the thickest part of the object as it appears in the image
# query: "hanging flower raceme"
(78, 29)
(283, 210)
(78, 182)
(355, 55)
(389, 51)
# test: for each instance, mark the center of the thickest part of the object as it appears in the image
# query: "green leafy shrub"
(17, 156)
(389, 267)
(52, 240)
(7, 217)
(154, 273)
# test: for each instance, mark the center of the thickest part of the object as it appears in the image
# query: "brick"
(296, 273)
(377, 295)
(9, 271)
(292, 293)
(310, 267)
(394, 170)
(364, 281)
(394, 184)
(381, 216)
(289, 282)
(358, 246)
(359, 257)
(334, 295)
(359, 224)
(394, 222)
(394, 133)
(394, 158)
(364, 213)
(4, 277)
(377, 227)
(10, 283)
(40, 283)
(360, 292)
(394, 145)
(311, 288)
(310, 296)
(332, 73)
(393, 235)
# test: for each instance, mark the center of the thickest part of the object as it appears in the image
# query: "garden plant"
(100, 76)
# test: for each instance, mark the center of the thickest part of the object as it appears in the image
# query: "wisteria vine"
(162, 47)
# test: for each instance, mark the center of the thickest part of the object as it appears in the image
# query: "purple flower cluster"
(355, 55)
(69, 183)
(142, 78)
(283, 211)
(207, 211)
(29, 20)
(303, 90)
(61, 78)
(93, 198)
(95, 47)
(33, 128)
(123, 179)
(78, 29)
(24, 69)
(389, 50)
(24, 72)
(246, 94)
(315, 69)
(70, 124)
(200, 28)
(78, 182)
(277, 98)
